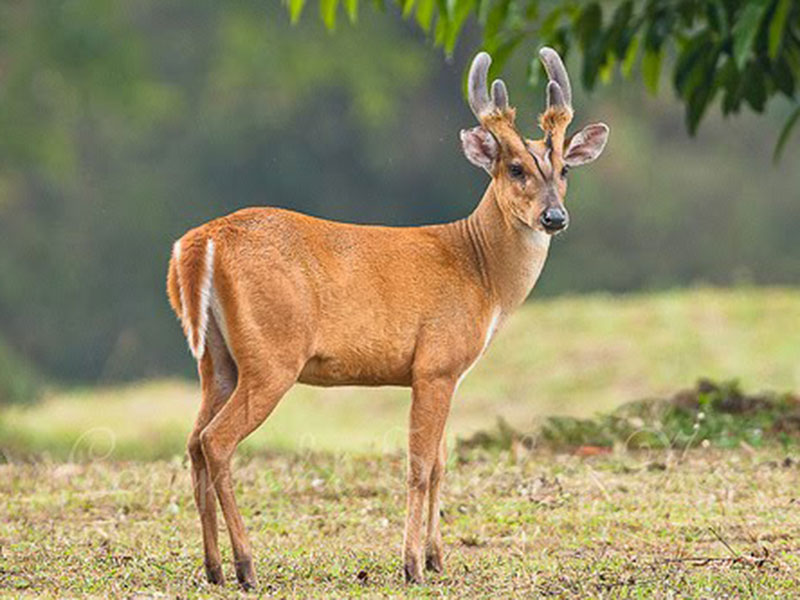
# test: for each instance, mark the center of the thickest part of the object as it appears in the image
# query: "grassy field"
(701, 524)
(95, 492)
(569, 356)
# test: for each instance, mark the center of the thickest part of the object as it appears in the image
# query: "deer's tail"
(189, 286)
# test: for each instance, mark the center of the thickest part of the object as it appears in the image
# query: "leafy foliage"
(712, 413)
(744, 52)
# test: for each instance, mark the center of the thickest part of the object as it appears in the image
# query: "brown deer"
(270, 297)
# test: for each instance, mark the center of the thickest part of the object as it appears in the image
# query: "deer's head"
(529, 175)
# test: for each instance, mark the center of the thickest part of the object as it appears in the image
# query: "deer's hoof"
(214, 574)
(433, 561)
(413, 572)
(245, 574)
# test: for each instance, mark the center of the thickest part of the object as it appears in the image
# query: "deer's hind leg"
(258, 391)
(218, 379)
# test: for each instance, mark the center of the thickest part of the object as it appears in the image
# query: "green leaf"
(295, 10)
(532, 12)
(701, 86)
(777, 26)
(484, 6)
(461, 10)
(408, 6)
(589, 25)
(440, 29)
(496, 18)
(425, 13)
(620, 32)
(351, 6)
(786, 132)
(719, 18)
(651, 69)
(327, 10)
(783, 77)
(630, 57)
(691, 63)
(755, 87)
(745, 30)
(728, 79)
(659, 29)
(550, 24)
(606, 71)
(593, 60)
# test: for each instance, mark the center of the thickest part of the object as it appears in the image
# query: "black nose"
(554, 219)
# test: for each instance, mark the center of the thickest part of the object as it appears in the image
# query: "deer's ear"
(586, 145)
(480, 148)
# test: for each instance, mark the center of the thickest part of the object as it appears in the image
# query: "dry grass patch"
(707, 523)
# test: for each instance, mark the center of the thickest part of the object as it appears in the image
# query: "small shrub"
(716, 413)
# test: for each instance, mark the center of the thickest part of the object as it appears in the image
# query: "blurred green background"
(124, 124)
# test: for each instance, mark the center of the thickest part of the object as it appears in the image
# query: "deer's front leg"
(434, 550)
(430, 405)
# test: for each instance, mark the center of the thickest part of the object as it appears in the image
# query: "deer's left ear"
(586, 145)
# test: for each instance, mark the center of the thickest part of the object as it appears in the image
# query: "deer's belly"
(356, 368)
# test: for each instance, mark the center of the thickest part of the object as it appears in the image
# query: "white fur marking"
(205, 299)
(540, 239)
(490, 331)
(176, 255)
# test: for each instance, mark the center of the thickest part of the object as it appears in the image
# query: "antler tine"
(500, 95)
(478, 94)
(557, 73)
(555, 95)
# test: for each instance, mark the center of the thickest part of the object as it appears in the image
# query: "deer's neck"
(509, 254)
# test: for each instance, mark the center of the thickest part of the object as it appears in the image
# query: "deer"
(269, 297)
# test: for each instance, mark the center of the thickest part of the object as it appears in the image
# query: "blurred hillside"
(576, 356)
(125, 124)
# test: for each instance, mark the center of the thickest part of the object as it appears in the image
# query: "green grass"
(702, 524)
(321, 485)
(567, 356)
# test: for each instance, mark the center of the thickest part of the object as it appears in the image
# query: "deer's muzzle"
(554, 219)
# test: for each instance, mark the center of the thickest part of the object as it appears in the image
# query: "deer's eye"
(516, 171)
(564, 172)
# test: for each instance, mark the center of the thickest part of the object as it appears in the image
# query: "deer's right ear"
(480, 148)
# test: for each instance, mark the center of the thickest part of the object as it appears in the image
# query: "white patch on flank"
(490, 331)
(205, 299)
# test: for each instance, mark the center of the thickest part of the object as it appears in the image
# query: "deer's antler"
(480, 103)
(558, 114)
(559, 90)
